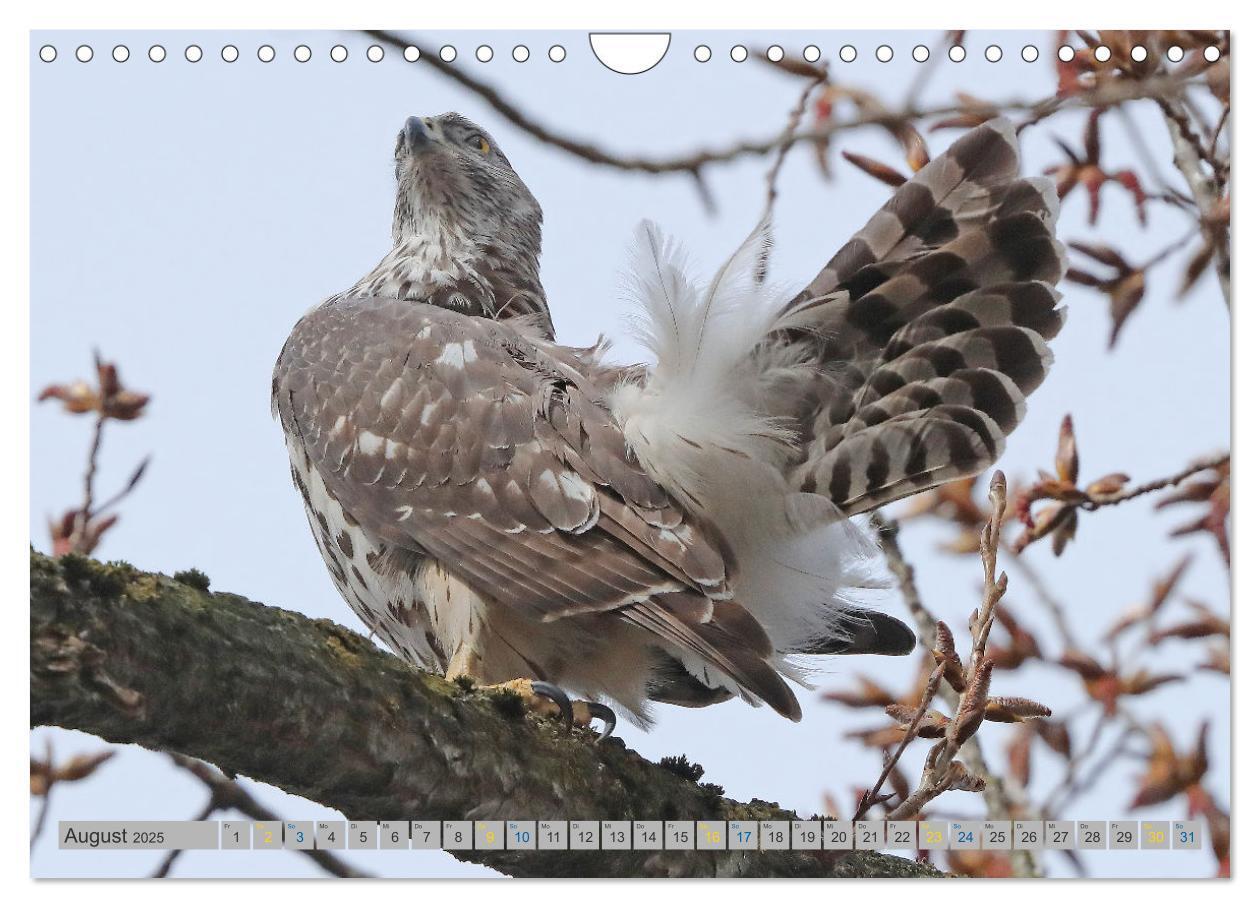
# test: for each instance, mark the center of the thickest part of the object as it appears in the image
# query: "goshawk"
(492, 503)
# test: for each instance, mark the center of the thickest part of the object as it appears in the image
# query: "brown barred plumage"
(931, 325)
(496, 504)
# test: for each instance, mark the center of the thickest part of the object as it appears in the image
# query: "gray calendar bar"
(637, 835)
(363, 834)
(299, 835)
(742, 835)
(553, 835)
(711, 835)
(680, 835)
(1156, 835)
(837, 835)
(424, 835)
(902, 834)
(807, 835)
(1187, 834)
(868, 835)
(457, 835)
(488, 835)
(330, 835)
(137, 835)
(522, 835)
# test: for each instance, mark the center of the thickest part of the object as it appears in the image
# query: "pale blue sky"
(184, 216)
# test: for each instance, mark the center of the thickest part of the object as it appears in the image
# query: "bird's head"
(456, 185)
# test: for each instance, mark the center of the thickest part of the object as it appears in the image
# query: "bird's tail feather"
(928, 329)
(904, 364)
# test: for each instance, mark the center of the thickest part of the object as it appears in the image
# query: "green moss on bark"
(319, 711)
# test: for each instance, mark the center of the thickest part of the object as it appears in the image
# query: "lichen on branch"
(320, 712)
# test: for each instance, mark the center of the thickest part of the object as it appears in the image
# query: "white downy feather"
(696, 427)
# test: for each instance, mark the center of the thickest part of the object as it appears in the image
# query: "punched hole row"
(556, 53)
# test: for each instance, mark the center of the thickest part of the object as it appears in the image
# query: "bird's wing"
(472, 442)
(928, 329)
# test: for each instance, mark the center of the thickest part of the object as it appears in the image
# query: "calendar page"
(551, 453)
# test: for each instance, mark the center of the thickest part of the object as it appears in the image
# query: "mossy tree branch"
(320, 712)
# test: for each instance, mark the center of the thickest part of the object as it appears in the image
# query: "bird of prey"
(495, 504)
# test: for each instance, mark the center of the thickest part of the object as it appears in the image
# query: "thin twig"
(1094, 502)
(994, 584)
(1219, 130)
(1042, 593)
(924, 73)
(912, 728)
(1155, 172)
(43, 809)
(43, 816)
(1106, 95)
(89, 481)
(1189, 155)
(1072, 768)
(226, 794)
(785, 142)
(164, 869)
(130, 486)
(1081, 781)
(999, 803)
(772, 176)
(888, 531)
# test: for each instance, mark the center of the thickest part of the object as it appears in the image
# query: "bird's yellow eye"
(481, 144)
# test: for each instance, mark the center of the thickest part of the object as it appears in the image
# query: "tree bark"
(319, 711)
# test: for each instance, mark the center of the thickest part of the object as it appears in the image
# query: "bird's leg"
(464, 662)
(539, 696)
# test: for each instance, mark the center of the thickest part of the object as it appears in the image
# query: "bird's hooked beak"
(417, 137)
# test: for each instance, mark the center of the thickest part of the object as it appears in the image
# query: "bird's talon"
(548, 699)
(556, 696)
(605, 715)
